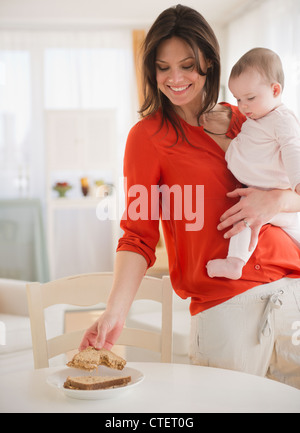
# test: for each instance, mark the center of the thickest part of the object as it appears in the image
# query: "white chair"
(88, 290)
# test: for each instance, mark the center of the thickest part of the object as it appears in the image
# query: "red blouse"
(195, 177)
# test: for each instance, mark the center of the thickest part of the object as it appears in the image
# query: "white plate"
(58, 378)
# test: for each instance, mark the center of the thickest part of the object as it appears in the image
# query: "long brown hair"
(189, 25)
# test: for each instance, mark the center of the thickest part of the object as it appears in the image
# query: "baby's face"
(255, 97)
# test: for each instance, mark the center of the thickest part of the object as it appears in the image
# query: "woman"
(179, 144)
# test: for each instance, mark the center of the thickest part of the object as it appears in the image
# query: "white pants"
(257, 332)
(239, 244)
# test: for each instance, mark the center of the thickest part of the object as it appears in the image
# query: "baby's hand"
(298, 189)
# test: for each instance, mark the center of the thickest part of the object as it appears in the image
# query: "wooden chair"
(88, 290)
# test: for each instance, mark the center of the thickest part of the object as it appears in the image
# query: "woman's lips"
(179, 89)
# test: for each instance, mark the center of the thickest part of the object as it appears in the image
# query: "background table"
(23, 252)
(167, 388)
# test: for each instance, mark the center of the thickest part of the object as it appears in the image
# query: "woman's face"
(176, 73)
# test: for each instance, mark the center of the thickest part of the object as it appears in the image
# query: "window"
(15, 122)
(57, 70)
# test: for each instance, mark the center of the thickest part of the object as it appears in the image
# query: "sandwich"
(95, 382)
(90, 358)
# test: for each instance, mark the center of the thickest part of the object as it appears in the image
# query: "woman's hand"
(103, 333)
(130, 269)
(256, 208)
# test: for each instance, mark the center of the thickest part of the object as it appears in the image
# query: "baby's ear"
(276, 87)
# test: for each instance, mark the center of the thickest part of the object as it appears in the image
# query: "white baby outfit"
(266, 155)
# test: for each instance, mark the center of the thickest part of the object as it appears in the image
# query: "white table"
(166, 388)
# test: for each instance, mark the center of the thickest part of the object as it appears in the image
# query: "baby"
(266, 153)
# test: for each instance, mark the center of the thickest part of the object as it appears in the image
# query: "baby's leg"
(238, 255)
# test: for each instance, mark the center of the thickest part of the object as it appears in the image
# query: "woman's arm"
(257, 208)
(136, 248)
(129, 271)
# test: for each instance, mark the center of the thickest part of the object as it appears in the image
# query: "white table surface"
(166, 388)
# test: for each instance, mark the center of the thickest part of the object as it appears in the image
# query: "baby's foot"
(231, 268)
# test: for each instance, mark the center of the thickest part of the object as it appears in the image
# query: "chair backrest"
(87, 290)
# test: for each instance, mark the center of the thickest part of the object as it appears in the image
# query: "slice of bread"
(90, 358)
(95, 382)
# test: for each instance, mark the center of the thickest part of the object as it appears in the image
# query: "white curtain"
(57, 70)
(273, 24)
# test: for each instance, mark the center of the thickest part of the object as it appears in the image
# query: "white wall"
(272, 24)
(117, 12)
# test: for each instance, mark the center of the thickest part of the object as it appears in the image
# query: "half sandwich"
(95, 382)
(90, 358)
